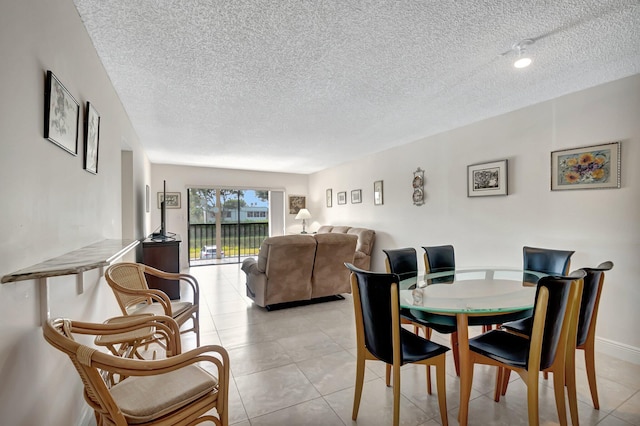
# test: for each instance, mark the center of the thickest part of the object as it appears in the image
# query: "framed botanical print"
(297, 202)
(61, 115)
(329, 196)
(590, 167)
(91, 138)
(342, 197)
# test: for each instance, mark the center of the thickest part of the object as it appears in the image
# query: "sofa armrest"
(250, 266)
(366, 238)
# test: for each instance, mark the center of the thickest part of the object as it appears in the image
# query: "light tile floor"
(297, 367)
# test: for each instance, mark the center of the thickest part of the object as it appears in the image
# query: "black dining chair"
(439, 258)
(549, 261)
(403, 262)
(585, 335)
(555, 314)
(380, 336)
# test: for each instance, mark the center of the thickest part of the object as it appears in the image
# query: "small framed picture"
(487, 179)
(297, 202)
(91, 138)
(342, 197)
(173, 200)
(590, 167)
(377, 193)
(356, 196)
(329, 197)
(61, 115)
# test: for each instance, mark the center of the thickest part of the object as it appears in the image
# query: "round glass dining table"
(469, 297)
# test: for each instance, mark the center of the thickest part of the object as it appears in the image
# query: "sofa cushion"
(324, 229)
(330, 275)
(340, 229)
(146, 398)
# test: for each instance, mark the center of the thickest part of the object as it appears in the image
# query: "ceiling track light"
(523, 60)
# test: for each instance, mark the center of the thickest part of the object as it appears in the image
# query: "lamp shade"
(303, 214)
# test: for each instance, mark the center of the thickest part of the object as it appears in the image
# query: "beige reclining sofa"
(300, 267)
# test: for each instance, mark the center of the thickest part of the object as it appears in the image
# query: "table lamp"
(304, 215)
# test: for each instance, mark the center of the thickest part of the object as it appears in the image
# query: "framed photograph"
(297, 202)
(342, 197)
(91, 137)
(377, 193)
(356, 196)
(329, 198)
(61, 115)
(173, 200)
(590, 167)
(487, 179)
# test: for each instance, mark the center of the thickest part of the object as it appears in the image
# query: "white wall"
(598, 224)
(51, 206)
(180, 178)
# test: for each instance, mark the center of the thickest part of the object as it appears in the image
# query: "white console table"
(97, 255)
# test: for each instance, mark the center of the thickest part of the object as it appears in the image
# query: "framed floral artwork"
(329, 195)
(61, 115)
(590, 167)
(91, 138)
(297, 202)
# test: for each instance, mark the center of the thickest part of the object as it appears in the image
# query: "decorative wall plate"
(418, 187)
(418, 196)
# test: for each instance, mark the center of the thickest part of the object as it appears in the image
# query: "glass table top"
(472, 291)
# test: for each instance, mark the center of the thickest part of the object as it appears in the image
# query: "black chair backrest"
(440, 258)
(375, 301)
(592, 283)
(403, 262)
(547, 260)
(559, 288)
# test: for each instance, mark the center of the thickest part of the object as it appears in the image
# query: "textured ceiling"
(302, 85)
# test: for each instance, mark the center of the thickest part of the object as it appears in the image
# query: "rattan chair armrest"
(135, 367)
(165, 328)
(189, 279)
(155, 294)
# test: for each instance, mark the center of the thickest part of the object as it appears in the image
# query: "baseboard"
(618, 350)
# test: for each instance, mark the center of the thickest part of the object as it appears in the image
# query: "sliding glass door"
(226, 225)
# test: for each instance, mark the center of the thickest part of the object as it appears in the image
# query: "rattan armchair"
(129, 285)
(177, 390)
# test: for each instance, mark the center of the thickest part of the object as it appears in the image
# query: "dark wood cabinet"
(163, 255)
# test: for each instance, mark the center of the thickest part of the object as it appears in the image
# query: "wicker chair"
(129, 285)
(177, 390)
